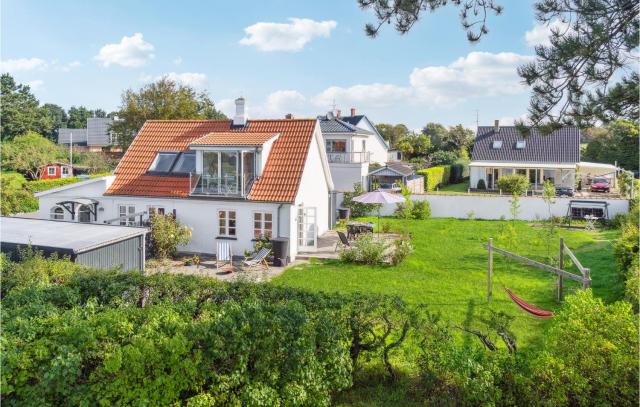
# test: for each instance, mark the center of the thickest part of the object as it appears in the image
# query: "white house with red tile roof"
(227, 180)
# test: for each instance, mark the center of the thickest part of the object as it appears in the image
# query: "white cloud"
(130, 52)
(292, 36)
(194, 79)
(479, 74)
(70, 66)
(476, 75)
(178, 61)
(35, 84)
(375, 95)
(540, 33)
(22, 64)
(282, 102)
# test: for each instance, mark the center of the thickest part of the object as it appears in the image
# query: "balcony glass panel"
(225, 173)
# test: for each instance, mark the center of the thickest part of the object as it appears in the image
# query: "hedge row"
(435, 177)
(44, 184)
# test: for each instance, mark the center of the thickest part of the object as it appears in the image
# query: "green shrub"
(442, 157)
(167, 234)
(481, 185)
(358, 209)
(513, 184)
(401, 249)
(459, 172)
(366, 249)
(17, 201)
(421, 209)
(435, 177)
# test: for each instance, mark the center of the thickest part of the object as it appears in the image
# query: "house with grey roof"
(96, 134)
(351, 144)
(502, 150)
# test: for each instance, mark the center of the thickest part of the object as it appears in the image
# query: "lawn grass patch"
(448, 271)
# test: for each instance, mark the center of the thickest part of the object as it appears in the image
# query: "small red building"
(56, 170)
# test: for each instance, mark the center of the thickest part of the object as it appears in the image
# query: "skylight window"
(520, 144)
(185, 164)
(163, 162)
(497, 144)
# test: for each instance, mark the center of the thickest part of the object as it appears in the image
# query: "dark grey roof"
(561, 146)
(398, 168)
(353, 120)
(78, 237)
(335, 125)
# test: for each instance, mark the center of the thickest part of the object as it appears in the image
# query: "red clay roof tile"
(233, 138)
(280, 178)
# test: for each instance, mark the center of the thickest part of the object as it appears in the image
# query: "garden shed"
(93, 245)
(387, 178)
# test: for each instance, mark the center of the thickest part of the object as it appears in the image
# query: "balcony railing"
(226, 185)
(349, 157)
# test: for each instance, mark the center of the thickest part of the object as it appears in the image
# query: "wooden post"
(490, 269)
(561, 266)
(587, 279)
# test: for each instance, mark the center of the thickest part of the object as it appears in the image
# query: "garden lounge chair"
(257, 261)
(223, 254)
(343, 240)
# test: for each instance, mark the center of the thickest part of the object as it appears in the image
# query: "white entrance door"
(307, 229)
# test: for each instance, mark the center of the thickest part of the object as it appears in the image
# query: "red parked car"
(600, 185)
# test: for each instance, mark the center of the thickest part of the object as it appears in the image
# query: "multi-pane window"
(57, 213)
(262, 224)
(336, 146)
(65, 170)
(126, 215)
(227, 223)
(51, 170)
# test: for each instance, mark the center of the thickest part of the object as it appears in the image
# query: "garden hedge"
(435, 177)
(459, 172)
(44, 184)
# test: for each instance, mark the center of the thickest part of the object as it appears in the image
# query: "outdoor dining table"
(355, 228)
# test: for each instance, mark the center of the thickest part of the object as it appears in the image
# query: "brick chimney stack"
(288, 116)
(496, 127)
(353, 111)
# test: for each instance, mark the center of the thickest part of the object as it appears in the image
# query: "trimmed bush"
(513, 184)
(481, 184)
(435, 177)
(458, 173)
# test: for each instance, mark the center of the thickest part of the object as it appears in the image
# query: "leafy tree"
(442, 157)
(459, 139)
(620, 142)
(358, 209)
(58, 118)
(28, 153)
(392, 133)
(164, 99)
(436, 133)
(78, 117)
(596, 47)
(167, 234)
(21, 110)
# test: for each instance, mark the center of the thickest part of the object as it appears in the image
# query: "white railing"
(349, 157)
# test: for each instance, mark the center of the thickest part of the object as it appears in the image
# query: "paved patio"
(327, 246)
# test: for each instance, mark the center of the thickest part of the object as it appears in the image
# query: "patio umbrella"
(378, 197)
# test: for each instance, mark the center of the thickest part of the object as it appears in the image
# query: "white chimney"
(496, 126)
(239, 119)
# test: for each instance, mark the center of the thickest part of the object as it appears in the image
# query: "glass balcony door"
(226, 173)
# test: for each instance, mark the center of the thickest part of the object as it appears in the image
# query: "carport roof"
(77, 237)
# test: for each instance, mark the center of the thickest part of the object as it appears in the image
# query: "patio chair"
(343, 240)
(257, 261)
(223, 254)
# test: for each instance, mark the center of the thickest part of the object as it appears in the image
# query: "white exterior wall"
(376, 146)
(495, 207)
(314, 189)
(92, 189)
(478, 173)
(345, 175)
(475, 175)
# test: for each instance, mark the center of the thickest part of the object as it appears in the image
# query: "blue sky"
(282, 56)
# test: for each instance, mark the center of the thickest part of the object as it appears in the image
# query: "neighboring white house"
(227, 180)
(95, 135)
(500, 151)
(351, 143)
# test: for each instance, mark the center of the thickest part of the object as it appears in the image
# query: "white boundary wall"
(495, 207)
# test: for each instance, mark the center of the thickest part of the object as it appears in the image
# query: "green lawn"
(461, 187)
(448, 271)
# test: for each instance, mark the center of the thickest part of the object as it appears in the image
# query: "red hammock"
(531, 309)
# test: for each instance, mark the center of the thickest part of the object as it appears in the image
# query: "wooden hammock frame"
(584, 278)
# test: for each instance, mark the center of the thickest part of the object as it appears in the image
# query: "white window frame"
(55, 215)
(131, 220)
(224, 229)
(261, 229)
(50, 172)
(65, 170)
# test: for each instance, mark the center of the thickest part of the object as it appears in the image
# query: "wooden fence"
(584, 278)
